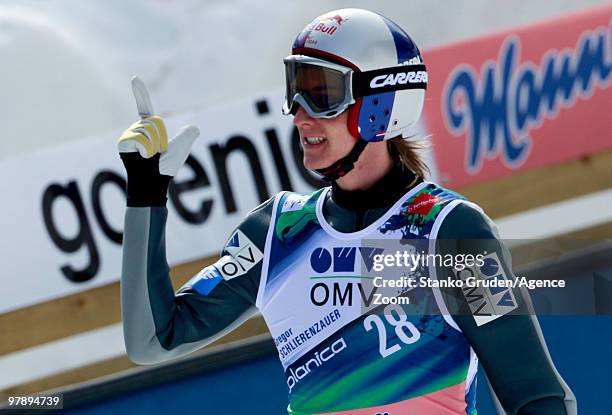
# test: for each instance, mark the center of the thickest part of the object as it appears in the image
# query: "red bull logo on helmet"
(328, 24)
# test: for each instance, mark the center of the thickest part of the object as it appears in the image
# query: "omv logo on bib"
(497, 108)
(342, 259)
(334, 267)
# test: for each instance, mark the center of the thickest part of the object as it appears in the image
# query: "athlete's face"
(325, 140)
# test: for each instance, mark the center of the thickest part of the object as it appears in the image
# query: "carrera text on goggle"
(325, 89)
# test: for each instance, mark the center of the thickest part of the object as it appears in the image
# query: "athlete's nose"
(302, 119)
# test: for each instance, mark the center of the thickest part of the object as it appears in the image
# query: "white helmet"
(361, 61)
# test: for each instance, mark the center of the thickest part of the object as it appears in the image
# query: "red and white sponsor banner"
(521, 99)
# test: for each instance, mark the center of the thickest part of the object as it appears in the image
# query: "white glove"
(149, 159)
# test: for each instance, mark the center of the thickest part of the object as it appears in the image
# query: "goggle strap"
(389, 79)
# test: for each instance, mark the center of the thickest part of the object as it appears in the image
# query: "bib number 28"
(404, 329)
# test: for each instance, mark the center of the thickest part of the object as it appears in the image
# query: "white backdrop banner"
(62, 215)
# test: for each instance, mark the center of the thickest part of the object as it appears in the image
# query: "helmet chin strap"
(345, 164)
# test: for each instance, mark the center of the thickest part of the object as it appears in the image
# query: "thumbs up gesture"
(149, 158)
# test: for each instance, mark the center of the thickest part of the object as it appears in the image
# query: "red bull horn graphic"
(337, 18)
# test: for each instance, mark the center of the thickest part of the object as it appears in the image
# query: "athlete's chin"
(315, 163)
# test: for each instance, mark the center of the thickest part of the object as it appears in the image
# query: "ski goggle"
(325, 89)
(322, 88)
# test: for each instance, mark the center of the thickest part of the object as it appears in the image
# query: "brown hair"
(411, 153)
